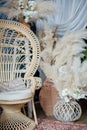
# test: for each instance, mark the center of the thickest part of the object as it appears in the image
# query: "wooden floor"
(82, 120)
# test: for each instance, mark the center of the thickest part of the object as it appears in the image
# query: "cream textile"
(71, 15)
(16, 84)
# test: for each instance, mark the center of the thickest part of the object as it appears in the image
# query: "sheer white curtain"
(70, 15)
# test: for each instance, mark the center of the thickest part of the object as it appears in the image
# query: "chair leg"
(24, 111)
(31, 108)
(34, 112)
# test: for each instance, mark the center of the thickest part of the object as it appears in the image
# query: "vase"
(67, 111)
(48, 97)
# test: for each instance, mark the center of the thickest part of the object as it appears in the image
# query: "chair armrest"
(30, 83)
(34, 83)
(38, 83)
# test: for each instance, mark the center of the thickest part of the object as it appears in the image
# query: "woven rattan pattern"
(19, 57)
(17, 124)
(23, 48)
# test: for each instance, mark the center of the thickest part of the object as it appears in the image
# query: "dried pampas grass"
(62, 63)
(45, 8)
(38, 9)
(71, 45)
(15, 8)
(10, 8)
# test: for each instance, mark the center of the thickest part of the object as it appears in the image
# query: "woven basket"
(48, 97)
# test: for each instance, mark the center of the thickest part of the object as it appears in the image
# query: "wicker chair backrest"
(19, 51)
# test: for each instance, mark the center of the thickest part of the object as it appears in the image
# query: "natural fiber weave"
(19, 58)
(19, 51)
(11, 121)
(67, 111)
(38, 82)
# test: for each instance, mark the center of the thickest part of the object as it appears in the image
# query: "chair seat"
(16, 95)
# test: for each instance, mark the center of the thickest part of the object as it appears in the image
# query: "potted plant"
(62, 61)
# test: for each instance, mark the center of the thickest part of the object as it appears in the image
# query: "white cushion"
(16, 84)
(16, 94)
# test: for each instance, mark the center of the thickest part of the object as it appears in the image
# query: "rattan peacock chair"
(19, 60)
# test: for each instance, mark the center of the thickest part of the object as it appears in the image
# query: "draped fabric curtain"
(70, 15)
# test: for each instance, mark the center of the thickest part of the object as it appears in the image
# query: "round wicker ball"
(67, 111)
